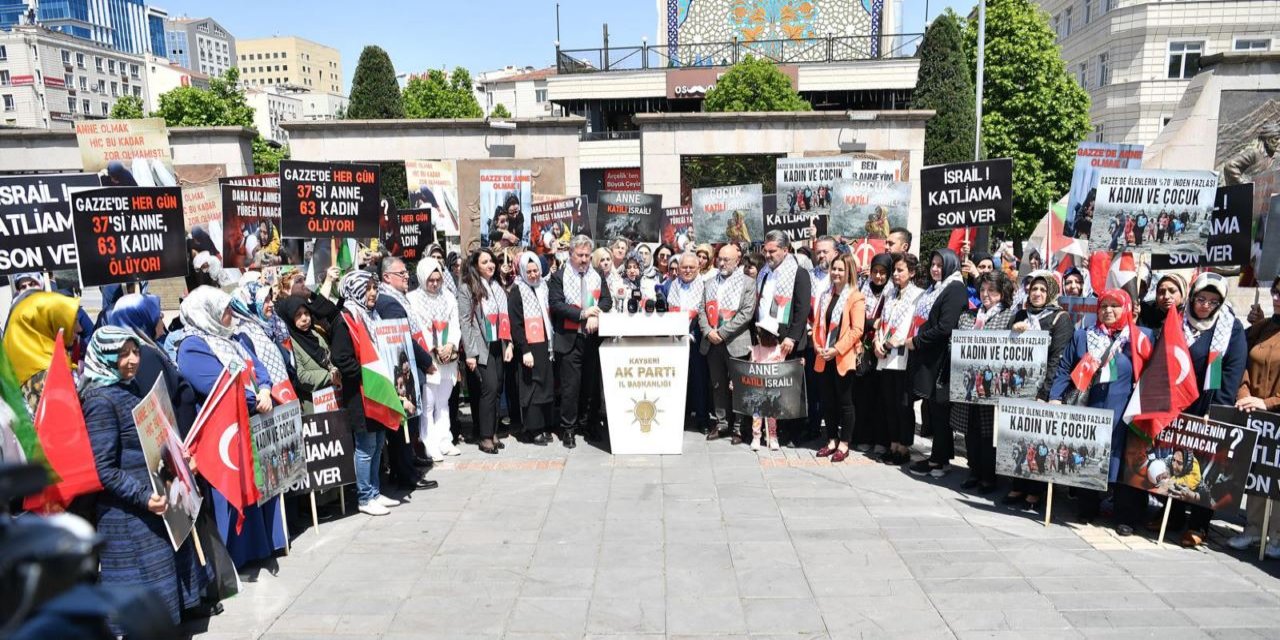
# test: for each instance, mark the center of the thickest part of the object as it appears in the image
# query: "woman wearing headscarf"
(837, 335)
(136, 550)
(1098, 370)
(929, 366)
(1260, 391)
(34, 323)
(889, 345)
(1171, 293)
(140, 313)
(706, 262)
(349, 339)
(483, 311)
(1040, 312)
(204, 352)
(1075, 282)
(313, 364)
(977, 421)
(262, 333)
(530, 325)
(1219, 353)
(439, 309)
(869, 433)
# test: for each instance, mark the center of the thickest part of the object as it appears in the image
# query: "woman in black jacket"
(929, 365)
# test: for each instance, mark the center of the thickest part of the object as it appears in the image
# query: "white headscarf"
(534, 293)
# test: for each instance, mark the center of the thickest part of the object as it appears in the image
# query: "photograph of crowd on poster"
(628, 214)
(869, 209)
(1091, 159)
(1153, 211)
(129, 234)
(331, 452)
(1230, 229)
(127, 153)
(798, 227)
(506, 200)
(1203, 462)
(434, 183)
(251, 221)
(805, 184)
(35, 221)
(1264, 473)
(677, 228)
(394, 343)
(728, 214)
(280, 458)
(166, 462)
(987, 366)
(774, 389)
(555, 222)
(1061, 444)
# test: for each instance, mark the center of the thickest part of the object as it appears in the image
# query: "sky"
(479, 35)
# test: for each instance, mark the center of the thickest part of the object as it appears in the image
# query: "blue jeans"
(368, 464)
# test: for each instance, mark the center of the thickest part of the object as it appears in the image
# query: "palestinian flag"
(782, 305)
(441, 330)
(1123, 274)
(1167, 386)
(490, 327)
(1213, 372)
(18, 439)
(381, 401)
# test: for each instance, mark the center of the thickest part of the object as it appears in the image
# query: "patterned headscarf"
(201, 313)
(533, 294)
(440, 310)
(354, 286)
(267, 334)
(103, 356)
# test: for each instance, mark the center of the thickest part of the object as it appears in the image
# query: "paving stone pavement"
(724, 543)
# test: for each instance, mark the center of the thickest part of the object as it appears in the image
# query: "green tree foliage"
(223, 104)
(754, 84)
(437, 96)
(375, 94)
(127, 108)
(500, 111)
(1033, 111)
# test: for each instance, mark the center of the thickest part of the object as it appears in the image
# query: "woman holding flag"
(530, 327)
(439, 309)
(482, 308)
(1098, 370)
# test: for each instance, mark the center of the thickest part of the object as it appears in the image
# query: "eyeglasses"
(1208, 302)
(398, 274)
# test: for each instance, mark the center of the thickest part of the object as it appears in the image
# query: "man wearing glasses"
(393, 305)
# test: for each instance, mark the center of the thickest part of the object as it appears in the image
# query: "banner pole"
(1266, 526)
(342, 500)
(195, 540)
(284, 523)
(1164, 521)
(333, 252)
(315, 517)
(1048, 504)
(48, 281)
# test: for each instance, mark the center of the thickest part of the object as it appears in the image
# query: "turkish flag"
(60, 426)
(1099, 266)
(959, 238)
(219, 443)
(1168, 386)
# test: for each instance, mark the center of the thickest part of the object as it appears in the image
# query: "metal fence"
(712, 54)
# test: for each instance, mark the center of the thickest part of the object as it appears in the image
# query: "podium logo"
(646, 412)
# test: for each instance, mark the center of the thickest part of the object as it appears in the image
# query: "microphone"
(649, 306)
(662, 303)
(633, 305)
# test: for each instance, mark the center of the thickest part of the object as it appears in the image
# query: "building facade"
(290, 61)
(200, 44)
(523, 93)
(321, 105)
(271, 108)
(49, 79)
(1137, 57)
(164, 75)
(123, 25)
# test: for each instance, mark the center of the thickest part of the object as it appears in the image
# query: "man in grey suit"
(728, 309)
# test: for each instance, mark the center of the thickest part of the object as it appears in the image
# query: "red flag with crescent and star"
(219, 443)
(1168, 386)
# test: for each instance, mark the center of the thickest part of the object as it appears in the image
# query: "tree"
(944, 84)
(754, 84)
(436, 96)
(375, 94)
(223, 104)
(500, 111)
(1033, 111)
(127, 108)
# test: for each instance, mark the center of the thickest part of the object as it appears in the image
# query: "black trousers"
(1189, 516)
(837, 402)
(484, 404)
(579, 370)
(899, 414)
(944, 439)
(978, 446)
(722, 402)
(511, 393)
(400, 453)
(870, 426)
(537, 417)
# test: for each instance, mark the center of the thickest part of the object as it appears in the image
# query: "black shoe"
(420, 461)
(569, 440)
(921, 468)
(424, 483)
(969, 483)
(541, 440)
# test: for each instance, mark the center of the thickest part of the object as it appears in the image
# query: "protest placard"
(1062, 444)
(410, 235)
(325, 399)
(1264, 473)
(798, 227)
(628, 214)
(329, 199)
(987, 366)
(729, 214)
(1091, 159)
(966, 194)
(279, 459)
(1153, 211)
(769, 389)
(434, 183)
(869, 209)
(202, 217)
(506, 201)
(1194, 460)
(805, 185)
(1229, 233)
(35, 221)
(555, 223)
(129, 234)
(127, 153)
(394, 342)
(166, 462)
(677, 228)
(330, 453)
(251, 218)
(1083, 310)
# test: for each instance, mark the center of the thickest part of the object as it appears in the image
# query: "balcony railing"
(713, 54)
(592, 136)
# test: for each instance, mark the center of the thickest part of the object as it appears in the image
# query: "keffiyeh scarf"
(103, 356)
(777, 290)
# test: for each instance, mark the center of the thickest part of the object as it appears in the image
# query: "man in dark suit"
(392, 305)
(784, 291)
(577, 296)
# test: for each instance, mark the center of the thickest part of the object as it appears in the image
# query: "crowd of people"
(515, 336)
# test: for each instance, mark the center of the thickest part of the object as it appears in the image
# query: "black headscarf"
(950, 263)
(288, 309)
(881, 260)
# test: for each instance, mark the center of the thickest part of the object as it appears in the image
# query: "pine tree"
(375, 95)
(945, 86)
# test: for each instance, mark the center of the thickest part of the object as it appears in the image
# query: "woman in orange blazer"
(837, 340)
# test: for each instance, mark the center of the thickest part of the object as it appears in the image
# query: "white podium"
(644, 365)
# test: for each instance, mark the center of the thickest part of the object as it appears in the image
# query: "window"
(539, 95)
(84, 107)
(1108, 5)
(1082, 74)
(1088, 11)
(115, 89)
(102, 87)
(8, 102)
(137, 91)
(133, 71)
(4, 78)
(4, 54)
(1099, 133)
(106, 109)
(69, 81)
(1104, 69)
(1252, 44)
(71, 105)
(97, 63)
(111, 67)
(80, 60)
(1184, 59)
(84, 83)
(66, 57)
(1066, 23)
(1057, 25)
